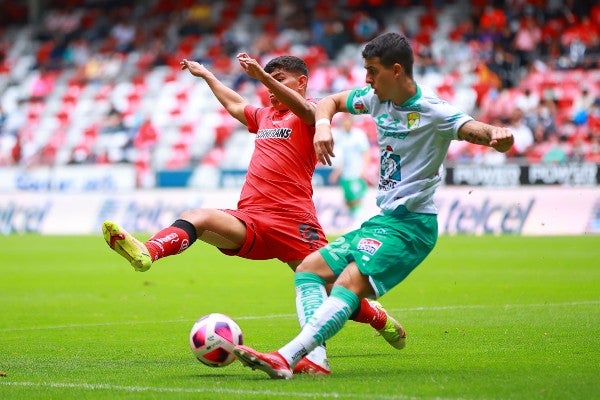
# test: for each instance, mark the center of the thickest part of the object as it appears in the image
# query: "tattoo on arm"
(476, 132)
(476, 138)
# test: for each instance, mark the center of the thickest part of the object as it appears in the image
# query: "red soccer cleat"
(272, 363)
(306, 366)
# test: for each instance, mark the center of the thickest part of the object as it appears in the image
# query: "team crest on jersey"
(368, 245)
(414, 118)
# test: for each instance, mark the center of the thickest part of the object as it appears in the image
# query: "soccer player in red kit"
(275, 215)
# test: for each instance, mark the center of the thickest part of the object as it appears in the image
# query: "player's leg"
(310, 295)
(213, 226)
(373, 313)
(368, 311)
(406, 238)
(409, 238)
(325, 322)
(354, 191)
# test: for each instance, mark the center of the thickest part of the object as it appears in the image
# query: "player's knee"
(197, 217)
(315, 263)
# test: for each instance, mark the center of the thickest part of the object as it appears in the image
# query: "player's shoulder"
(429, 94)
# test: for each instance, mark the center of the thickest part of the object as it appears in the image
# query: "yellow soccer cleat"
(392, 332)
(127, 246)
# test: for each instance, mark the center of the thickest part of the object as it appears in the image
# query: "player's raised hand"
(501, 138)
(195, 68)
(250, 65)
(323, 143)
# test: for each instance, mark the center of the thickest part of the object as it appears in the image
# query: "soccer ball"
(213, 338)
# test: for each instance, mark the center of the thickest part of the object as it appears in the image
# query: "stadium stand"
(99, 81)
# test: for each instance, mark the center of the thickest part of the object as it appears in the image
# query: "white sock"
(310, 294)
(325, 322)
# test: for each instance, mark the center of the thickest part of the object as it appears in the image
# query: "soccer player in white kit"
(352, 167)
(414, 130)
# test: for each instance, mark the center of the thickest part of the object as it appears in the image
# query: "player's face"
(380, 78)
(287, 79)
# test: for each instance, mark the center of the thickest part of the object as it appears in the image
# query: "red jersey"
(279, 176)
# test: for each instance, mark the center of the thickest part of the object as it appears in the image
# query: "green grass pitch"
(487, 318)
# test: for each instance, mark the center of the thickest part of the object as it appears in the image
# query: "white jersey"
(413, 142)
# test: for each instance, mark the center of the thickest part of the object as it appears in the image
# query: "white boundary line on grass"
(334, 395)
(276, 316)
(137, 389)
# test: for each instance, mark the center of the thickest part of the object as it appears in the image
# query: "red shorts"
(272, 235)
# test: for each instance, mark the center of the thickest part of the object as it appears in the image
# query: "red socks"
(167, 242)
(368, 314)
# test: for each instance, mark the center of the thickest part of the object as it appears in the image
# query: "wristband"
(323, 121)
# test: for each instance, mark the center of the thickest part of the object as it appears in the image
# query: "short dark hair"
(287, 63)
(391, 48)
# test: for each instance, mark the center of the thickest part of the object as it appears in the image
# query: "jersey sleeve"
(358, 101)
(450, 119)
(251, 113)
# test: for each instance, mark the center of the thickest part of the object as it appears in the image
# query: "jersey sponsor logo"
(368, 245)
(389, 126)
(393, 133)
(414, 118)
(274, 133)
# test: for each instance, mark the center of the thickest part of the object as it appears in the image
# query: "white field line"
(284, 316)
(239, 392)
(236, 392)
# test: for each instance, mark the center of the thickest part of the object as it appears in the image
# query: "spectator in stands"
(327, 29)
(578, 150)
(123, 32)
(593, 153)
(569, 31)
(146, 136)
(523, 135)
(594, 118)
(502, 64)
(545, 119)
(528, 101)
(556, 152)
(113, 138)
(527, 40)
(582, 106)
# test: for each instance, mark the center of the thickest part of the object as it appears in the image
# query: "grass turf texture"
(487, 318)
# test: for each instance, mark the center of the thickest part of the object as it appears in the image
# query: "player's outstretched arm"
(500, 138)
(327, 107)
(230, 99)
(298, 104)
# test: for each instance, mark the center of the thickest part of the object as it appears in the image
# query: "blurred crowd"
(99, 82)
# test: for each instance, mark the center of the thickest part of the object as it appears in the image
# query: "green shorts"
(386, 248)
(354, 189)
